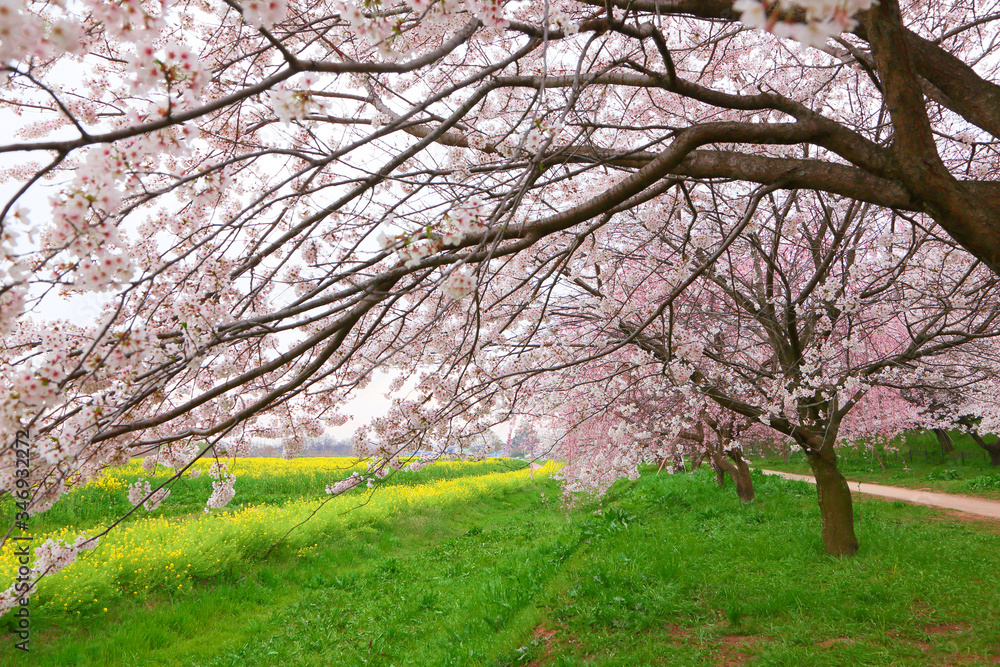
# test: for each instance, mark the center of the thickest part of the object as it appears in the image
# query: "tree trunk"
(720, 471)
(696, 459)
(738, 470)
(835, 507)
(945, 441)
(992, 448)
(741, 475)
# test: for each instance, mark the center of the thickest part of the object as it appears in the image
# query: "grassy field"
(914, 461)
(483, 567)
(260, 481)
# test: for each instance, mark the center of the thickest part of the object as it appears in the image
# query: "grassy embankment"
(260, 482)
(914, 460)
(672, 570)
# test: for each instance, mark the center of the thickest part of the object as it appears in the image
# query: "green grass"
(666, 570)
(437, 574)
(914, 460)
(704, 581)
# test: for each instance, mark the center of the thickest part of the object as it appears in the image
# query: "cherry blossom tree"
(664, 427)
(806, 313)
(276, 199)
(524, 440)
(967, 402)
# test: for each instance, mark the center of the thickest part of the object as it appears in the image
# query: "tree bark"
(945, 441)
(720, 471)
(744, 482)
(992, 448)
(738, 470)
(697, 458)
(972, 221)
(835, 506)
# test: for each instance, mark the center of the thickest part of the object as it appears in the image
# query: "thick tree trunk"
(720, 471)
(744, 482)
(835, 507)
(970, 218)
(738, 470)
(994, 451)
(992, 448)
(945, 441)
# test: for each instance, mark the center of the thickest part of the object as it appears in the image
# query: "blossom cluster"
(128, 19)
(141, 489)
(11, 266)
(291, 104)
(464, 219)
(264, 13)
(490, 12)
(417, 464)
(174, 455)
(531, 141)
(11, 305)
(222, 487)
(51, 557)
(824, 18)
(345, 484)
(24, 34)
(414, 252)
(383, 29)
(561, 20)
(82, 224)
(378, 28)
(39, 387)
(174, 66)
(459, 284)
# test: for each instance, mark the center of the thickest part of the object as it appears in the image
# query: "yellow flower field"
(245, 468)
(170, 553)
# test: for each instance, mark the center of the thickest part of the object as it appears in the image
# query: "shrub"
(943, 475)
(987, 482)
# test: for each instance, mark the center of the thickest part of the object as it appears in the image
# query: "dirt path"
(990, 508)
